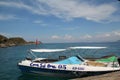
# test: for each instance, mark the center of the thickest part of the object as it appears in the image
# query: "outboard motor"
(119, 61)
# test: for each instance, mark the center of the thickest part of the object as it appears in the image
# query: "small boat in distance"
(74, 66)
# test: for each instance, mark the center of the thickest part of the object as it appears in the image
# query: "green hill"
(3, 39)
(16, 41)
(7, 42)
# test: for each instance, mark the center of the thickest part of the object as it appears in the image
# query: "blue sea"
(9, 57)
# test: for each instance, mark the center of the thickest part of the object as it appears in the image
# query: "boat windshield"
(71, 60)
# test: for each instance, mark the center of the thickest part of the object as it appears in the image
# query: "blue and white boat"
(74, 66)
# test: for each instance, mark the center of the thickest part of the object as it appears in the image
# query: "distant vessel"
(74, 66)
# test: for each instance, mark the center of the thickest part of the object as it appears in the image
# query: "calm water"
(9, 57)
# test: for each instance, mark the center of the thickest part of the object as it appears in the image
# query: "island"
(14, 41)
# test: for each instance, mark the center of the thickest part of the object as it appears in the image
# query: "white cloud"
(117, 33)
(111, 35)
(101, 37)
(64, 38)
(7, 17)
(69, 9)
(38, 21)
(5, 34)
(68, 37)
(107, 36)
(21, 5)
(55, 37)
(8, 35)
(86, 36)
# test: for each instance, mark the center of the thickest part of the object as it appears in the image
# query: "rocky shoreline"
(108, 76)
(14, 41)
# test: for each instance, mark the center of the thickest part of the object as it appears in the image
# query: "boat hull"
(59, 73)
(50, 72)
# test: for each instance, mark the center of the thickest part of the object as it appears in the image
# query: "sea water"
(9, 57)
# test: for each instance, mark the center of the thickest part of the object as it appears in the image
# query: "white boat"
(74, 66)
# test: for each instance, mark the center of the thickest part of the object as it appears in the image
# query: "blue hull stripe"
(27, 69)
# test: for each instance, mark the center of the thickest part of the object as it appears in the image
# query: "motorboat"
(74, 66)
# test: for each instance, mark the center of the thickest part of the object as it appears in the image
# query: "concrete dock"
(108, 76)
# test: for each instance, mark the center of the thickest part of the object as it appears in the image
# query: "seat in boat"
(94, 63)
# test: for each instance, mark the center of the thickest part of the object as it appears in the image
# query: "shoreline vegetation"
(13, 41)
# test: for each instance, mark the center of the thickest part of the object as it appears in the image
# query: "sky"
(59, 21)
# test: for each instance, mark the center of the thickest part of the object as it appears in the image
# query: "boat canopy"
(47, 50)
(109, 59)
(86, 47)
(69, 48)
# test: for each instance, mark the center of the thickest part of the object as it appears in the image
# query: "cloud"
(21, 5)
(101, 37)
(107, 36)
(40, 22)
(8, 35)
(86, 36)
(7, 17)
(116, 33)
(55, 37)
(5, 34)
(111, 35)
(68, 37)
(69, 9)
(65, 37)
